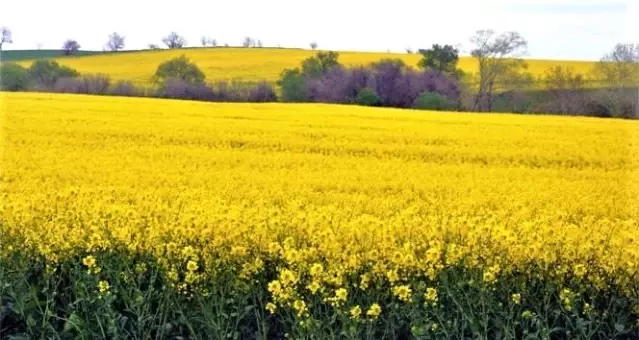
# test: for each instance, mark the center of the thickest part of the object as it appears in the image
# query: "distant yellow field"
(250, 64)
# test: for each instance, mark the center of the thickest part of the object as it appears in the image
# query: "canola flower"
(403, 292)
(342, 199)
(374, 311)
(355, 312)
(254, 64)
(516, 298)
(103, 287)
(89, 261)
(431, 295)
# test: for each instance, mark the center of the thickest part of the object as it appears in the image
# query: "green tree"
(13, 77)
(368, 97)
(320, 64)
(433, 101)
(45, 73)
(179, 68)
(293, 84)
(312, 67)
(441, 58)
(328, 59)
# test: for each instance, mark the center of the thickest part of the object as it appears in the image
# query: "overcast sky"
(557, 29)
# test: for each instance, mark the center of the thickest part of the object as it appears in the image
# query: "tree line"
(116, 42)
(502, 82)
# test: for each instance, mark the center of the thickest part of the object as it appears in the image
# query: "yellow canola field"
(253, 64)
(340, 191)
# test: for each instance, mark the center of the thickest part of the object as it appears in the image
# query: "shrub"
(393, 84)
(179, 68)
(96, 84)
(176, 88)
(13, 77)
(399, 87)
(45, 73)
(333, 87)
(341, 85)
(434, 101)
(125, 89)
(225, 91)
(368, 97)
(221, 91)
(68, 85)
(91, 84)
(263, 92)
(293, 84)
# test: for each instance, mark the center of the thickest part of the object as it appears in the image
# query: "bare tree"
(174, 40)
(499, 64)
(313, 45)
(248, 42)
(259, 44)
(115, 42)
(153, 47)
(5, 37)
(70, 47)
(208, 41)
(619, 73)
(567, 89)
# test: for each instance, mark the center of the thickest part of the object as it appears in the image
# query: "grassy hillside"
(19, 55)
(249, 64)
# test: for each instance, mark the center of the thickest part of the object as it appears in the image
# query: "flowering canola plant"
(322, 205)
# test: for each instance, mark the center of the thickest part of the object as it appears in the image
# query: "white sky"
(560, 29)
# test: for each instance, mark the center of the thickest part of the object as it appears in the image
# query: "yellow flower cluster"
(431, 296)
(252, 64)
(343, 199)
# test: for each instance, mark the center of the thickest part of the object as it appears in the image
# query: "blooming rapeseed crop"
(320, 204)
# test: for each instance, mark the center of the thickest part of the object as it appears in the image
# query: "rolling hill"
(19, 55)
(249, 64)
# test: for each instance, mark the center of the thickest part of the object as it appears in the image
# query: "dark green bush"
(13, 77)
(293, 84)
(368, 97)
(434, 101)
(180, 68)
(320, 64)
(45, 73)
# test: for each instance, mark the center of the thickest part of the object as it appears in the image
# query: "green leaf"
(74, 322)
